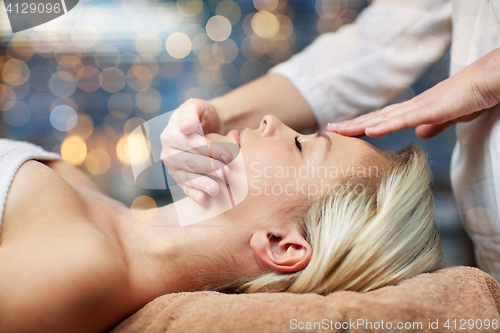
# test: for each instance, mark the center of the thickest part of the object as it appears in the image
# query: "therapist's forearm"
(270, 94)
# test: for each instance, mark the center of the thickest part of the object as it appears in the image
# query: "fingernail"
(342, 125)
(199, 198)
(223, 157)
(208, 190)
(332, 124)
(370, 128)
(221, 175)
(186, 121)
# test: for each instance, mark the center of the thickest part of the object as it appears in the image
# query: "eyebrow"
(322, 134)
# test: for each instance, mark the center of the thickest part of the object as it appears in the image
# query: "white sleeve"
(356, 69)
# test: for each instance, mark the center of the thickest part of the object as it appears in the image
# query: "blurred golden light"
(189, 8)
(265, 24)
(218, 53)
(84, 35)
(149, 100)
(21, 45)
(262, 45)
(132, 124)
(139, 78)
(15, 72)
(148, 45)
(134, 143)
(112, 79)
(229, 9)
(329, 9)
(206, 52)
(193, 30)
(144, 208)
(138, 148)
(92, 164)
(168, 15)
(230, 49)
(150, 64)
(70, 61)
(199, 41)
(84, 126)
(147, 104)
(98, 161)
(122, 150)
(265, 5)
(286, 27)
(87, 78)
(44, 43)
(74, 150)
(218, 28)
(178, 45)
(120, 105)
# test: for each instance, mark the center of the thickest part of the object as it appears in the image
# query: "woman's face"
(283, 166)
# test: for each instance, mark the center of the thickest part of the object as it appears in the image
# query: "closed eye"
(297, 143)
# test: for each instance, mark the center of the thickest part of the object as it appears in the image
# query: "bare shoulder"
(74, 284)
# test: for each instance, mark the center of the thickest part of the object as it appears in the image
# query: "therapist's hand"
(459, 98)
(185, 150)
(208, 118)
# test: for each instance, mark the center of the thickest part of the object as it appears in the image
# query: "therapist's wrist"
(233, 114)
(490, 80)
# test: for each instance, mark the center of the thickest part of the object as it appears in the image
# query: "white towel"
(12, 155)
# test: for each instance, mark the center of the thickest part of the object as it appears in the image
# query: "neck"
(164, 257)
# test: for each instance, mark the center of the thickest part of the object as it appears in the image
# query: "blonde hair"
(363, 240)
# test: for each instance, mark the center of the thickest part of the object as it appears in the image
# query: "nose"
(269, 125)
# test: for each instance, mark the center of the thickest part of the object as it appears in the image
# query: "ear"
(288, 252)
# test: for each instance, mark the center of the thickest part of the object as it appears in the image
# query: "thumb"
(189, 121)
(187, 124)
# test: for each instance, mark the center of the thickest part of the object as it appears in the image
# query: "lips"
(240, 139)
(236, 136)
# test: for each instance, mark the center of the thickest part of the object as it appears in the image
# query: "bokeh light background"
(78, 85)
